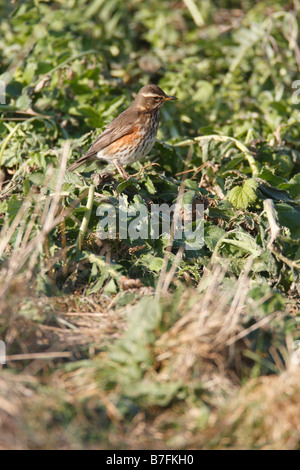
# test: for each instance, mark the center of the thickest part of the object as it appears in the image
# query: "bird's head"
(151, 98)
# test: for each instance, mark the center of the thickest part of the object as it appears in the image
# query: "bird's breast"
(148, 132)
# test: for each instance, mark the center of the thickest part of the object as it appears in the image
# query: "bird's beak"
(170, 98)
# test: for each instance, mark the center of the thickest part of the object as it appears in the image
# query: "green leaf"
(101, 263)
(289, 217)
(125, 184)
(37, 178)
(23, 102)
(72, 178)
(3, 206)
(243, 196)
(110, 287)
(244, 241)
(223, 211)
(13, 207)
(188, 197)
(270, 176)
(274, 193)
(293, 186)
(152, 262)
(149, 185)
(29, 72)
(212, 235)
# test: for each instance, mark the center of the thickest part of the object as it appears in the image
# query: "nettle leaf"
(245, 242)
(13, 207)
(243, 196)
(29, 72)
(72, 178)
(188, 197)
(149, 185)
(113, 106)
(152, 262)
(212, 235)
(37, 178)
(10, 158)
(156, 264)
(191, 184)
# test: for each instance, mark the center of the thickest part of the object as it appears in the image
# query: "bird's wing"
(122, 125)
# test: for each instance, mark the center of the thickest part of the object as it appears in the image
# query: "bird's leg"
(121, 170)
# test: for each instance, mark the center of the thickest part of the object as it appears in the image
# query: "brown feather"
(121, 126)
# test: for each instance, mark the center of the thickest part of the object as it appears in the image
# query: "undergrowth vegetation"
(141, 343)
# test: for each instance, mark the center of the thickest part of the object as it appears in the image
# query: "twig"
(288, 262)
(33, 356)
(171, 273)
(64, 247)
(264, 321)
(143, 168)
(196, 170)
(86, 218)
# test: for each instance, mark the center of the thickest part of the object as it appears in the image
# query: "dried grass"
(197, 344)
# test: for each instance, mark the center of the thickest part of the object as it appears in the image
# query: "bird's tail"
(79, 162)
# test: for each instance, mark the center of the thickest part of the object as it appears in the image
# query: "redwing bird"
(132, 134)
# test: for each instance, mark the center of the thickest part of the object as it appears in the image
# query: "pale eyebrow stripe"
(151, 95)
